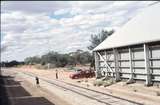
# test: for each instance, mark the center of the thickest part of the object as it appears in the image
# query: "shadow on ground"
(12, 91)
(3, 94)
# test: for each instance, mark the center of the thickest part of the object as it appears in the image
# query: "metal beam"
(117, 73)
(147, 65)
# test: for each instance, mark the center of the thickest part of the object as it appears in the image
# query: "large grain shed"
(132, 52)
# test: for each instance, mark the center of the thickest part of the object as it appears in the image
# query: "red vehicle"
(82, 74)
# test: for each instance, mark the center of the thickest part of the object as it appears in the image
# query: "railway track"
(101, 97)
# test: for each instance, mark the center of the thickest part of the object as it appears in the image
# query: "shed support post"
(147, 65)
(106, 74)
(97, 72)
(116, 62)
(105, 55)
(0, 72)
(131, 80)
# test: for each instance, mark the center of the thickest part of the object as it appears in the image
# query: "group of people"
(37, 79)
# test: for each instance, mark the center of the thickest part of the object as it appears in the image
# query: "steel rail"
(51, 82)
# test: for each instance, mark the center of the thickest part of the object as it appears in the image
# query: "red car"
(82, 74)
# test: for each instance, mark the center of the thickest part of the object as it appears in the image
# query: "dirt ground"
(136, 92)
(22, 92)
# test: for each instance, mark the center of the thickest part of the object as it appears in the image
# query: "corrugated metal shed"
(145, 27)
(133, 52)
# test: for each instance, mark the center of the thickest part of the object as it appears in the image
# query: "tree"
(85, 57)
(60, 60)
(32, 60)
(81, 57)
(50, 57)
(96, 39)
(11, 63)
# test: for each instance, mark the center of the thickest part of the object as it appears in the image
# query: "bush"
(157, 93)
(70, 68)
(39, 66)
(103, 82)
(107, 83)
(98, 83)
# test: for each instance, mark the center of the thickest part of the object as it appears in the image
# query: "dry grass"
(104, 83)
(157, 93)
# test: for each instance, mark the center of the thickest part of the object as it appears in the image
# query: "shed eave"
(132, 44)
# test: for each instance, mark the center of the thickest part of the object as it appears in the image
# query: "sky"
(30, 28)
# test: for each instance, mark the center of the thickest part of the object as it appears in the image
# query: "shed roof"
(143, 28)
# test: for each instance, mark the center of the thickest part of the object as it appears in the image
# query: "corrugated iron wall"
(138, 62)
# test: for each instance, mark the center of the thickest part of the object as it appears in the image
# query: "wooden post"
(105, 55)
(96, 65)
(116, 62)
(147, 65)
(130, 61)
(0, 71)
(106, 73)
(48, 65)
(131, 80)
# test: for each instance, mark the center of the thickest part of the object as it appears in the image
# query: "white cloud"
(32, 28)
(34, 6)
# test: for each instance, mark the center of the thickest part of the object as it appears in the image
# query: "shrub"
(103, 82)
(98, 83)
(71, 68)
(157, 93)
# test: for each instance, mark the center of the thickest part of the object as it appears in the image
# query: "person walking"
(37, 81)
(56, 74)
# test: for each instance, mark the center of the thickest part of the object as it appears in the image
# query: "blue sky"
(2, 36)
(31, 28)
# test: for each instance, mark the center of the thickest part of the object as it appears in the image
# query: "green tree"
(61, 60)
(96, 39)
(32, 60)
(85, 57)
(50, 57)
(81, 57)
